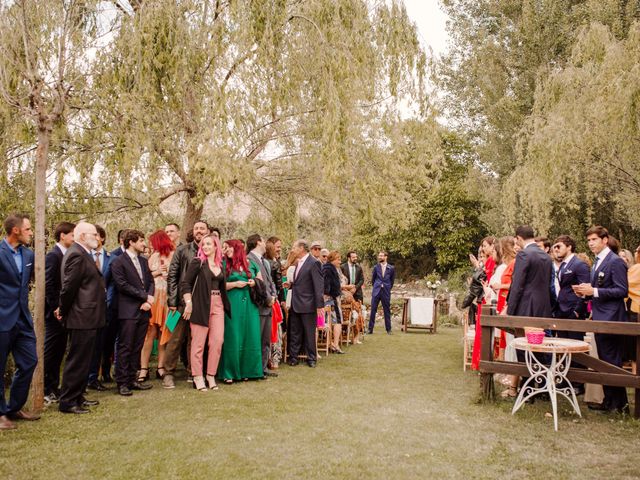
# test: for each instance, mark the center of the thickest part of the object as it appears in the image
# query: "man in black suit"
(354, 274)
(530, 293)
(55, 337)
(81, 310)
(307, 302)
(135, 285)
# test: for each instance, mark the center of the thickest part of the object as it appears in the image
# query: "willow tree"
(44, 59)
(253, 97)
(579, 149)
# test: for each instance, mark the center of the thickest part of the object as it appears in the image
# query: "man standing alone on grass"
(16, 325)
(383, 277)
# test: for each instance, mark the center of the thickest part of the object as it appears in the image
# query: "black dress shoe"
(97, 386)
(370, 332)
(293, 363)
(75, 409)
(124, 391)
(598, 407)
(311, 364)
(140, 386)
(90, 403)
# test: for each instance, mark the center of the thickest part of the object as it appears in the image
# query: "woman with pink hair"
(205, 296)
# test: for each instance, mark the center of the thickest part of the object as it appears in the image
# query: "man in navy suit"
(607, 289)
(135, 285)
(106, 337)
(307, 302)
(55, 337)
(382, 279)
(572, 271)
(16, 325)
(530, 293)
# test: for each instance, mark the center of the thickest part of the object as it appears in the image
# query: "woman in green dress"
(242, 350)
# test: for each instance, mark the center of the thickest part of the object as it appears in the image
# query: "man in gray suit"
(256, 247)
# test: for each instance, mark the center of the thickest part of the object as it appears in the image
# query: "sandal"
(159, 375)
(227, 381)
(211, 380)
(141, 377)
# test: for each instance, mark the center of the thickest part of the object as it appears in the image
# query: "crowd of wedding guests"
(531, 276)
(220, 307)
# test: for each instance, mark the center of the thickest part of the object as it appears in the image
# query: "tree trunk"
(192, 214)
(42, 151)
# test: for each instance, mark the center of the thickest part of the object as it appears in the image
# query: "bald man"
(82, 313)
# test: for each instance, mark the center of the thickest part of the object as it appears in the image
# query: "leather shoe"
(6, 424)
(140, 386)
(90, 403)
(97, 386)
(598, 407)
(311, 364)
(75, 409)
(389, 332)
(293, 363)
(124, 391)
(269, 373)
(22, 415)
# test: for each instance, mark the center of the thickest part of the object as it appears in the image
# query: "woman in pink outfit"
(205, 296)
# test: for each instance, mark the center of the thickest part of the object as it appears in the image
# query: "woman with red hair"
(242, 349)
(159, 261)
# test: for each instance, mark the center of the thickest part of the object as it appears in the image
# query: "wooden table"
(552, 378)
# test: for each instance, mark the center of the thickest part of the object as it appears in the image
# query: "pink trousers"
(214, 333)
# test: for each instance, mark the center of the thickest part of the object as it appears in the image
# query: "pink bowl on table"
(535, 338)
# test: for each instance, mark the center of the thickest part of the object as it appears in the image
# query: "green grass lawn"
(395, 407)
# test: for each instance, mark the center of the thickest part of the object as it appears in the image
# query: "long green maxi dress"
(242, 350)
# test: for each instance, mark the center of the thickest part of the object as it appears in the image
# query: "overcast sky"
(431, 22)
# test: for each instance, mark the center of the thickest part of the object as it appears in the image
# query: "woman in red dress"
(487, 248)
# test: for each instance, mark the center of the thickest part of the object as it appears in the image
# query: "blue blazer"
(382, 285)
(14, 287)
(613, 286)
(568, 304)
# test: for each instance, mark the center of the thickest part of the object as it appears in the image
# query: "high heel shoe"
(159, 375)
(198, 383)
(141, 377)
(211, 380)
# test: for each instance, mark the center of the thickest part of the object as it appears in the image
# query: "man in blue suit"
(607, 289)
(16, 325)
(382, 279)
(566, 304)
(572, 271)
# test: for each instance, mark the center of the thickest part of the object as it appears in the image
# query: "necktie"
(136, 263)
(563, 265)
(593, 272)
(98, 261)
(353, 275)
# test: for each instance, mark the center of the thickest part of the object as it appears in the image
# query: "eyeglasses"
(315, 248)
